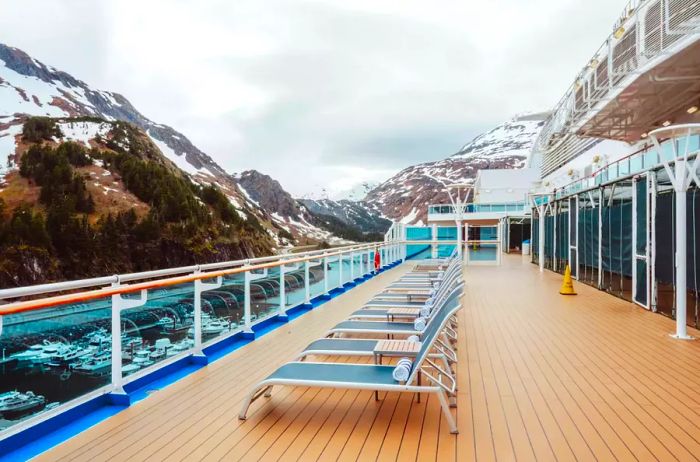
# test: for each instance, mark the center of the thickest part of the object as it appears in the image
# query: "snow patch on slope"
(83, 132)
(7, 148)
(180, 161)
(21, 94)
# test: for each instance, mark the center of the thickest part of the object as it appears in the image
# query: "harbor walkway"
(541, 377)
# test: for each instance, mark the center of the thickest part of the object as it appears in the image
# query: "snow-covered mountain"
(357, 214)
(321, 220)
(28, 86)
(31, 88)
(405, 196)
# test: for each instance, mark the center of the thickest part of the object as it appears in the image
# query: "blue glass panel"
(53, 358)
(447, 233)
(415, 233)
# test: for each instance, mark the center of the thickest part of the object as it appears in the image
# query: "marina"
(73, 360)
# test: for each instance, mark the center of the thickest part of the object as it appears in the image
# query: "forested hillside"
(119, 205)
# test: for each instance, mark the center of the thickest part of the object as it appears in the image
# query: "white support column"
(681, 189)
(651, 243)
(601, 201)
(555, 209)
(199, 288)
(459, 239)
(634, 238)
(466, 239)
(540, 245)
(682, 175)
(434, 237)
(120, 304)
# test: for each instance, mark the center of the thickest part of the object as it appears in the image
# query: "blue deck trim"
(45, 435)
(51, 432)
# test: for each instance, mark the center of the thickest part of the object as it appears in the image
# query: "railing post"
(120, 304)
(283, 292)
(246, 303)
(198, 318)
(325, 275)
(307, 289)
(352, 266)
(199, 288)
(340, 270)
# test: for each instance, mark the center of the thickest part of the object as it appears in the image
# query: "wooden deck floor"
(541, 377)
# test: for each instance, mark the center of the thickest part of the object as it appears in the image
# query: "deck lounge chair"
(413, 299)
(371, 377)
(391, 328)
(377, 312)
(365, 347)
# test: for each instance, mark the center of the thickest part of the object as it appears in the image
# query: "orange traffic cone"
(567, 287)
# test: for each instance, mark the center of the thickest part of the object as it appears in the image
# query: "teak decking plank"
(540, 376)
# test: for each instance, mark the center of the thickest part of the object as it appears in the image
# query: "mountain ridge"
(31, 88)
(405, 197)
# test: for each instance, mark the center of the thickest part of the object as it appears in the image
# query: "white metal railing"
(120, 293)
(646, 32)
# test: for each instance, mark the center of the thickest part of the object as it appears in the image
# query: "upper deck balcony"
(476, 212)
(540, 377)
(644, 75)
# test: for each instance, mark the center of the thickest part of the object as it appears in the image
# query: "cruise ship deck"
(541, 377)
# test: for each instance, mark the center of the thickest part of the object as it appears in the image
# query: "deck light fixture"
(692, 110)
(667, 123)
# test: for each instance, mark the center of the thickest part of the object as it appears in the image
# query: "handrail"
(39, 289)
(32, 305)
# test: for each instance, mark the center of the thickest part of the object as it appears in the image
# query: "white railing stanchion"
(352, 266)
(200, 287)
(340, 270)
(325, 275)
(283, 292)
(307, 283)
(246, 303)
(120, 304)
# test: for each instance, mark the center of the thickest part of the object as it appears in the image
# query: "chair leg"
(448, 413)
(246, 404)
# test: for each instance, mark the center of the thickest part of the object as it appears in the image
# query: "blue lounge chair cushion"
(395, 304)
(375, 325)
(342, 344)
(334, 372)
(378, 312)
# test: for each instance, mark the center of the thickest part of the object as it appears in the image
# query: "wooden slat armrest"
(397, 347)
(403, 311)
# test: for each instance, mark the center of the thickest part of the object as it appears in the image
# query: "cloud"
(320, 93)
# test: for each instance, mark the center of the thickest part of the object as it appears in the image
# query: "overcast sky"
(319, 94)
